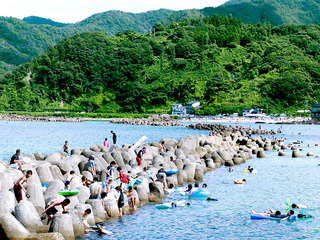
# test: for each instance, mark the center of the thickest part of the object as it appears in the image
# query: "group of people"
(114, 140)
(160, 176)
(290, 213)
(65, 147)
(191, 189)
(276, 214)
(98, 189)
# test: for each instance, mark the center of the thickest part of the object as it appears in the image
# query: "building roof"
(316, 105)
(246, 109)
(193, 102)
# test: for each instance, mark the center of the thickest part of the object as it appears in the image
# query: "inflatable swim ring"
(237, 181)
(135, 181)
(171, 205)
(171, 171)
(169, 190)
(197, 193)
(256, 216)
(247, 171)
(68, 192)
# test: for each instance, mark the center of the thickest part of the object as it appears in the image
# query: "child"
(161, 149)
(69, 179)
(109, 186)
(140, 156)
(131, 199)
(18, 186)
(109, 170)
(123, 178)
(85, 216)
(101, 230)
(106, 142)
(91, 164)
(129, 176)
(51, 210)
(120, 199)
(145, 169)
(189, 190)
(66, 147)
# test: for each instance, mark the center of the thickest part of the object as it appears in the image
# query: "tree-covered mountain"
(224, 63)
(40, 20)
(20, 42)
(112, 22)
(275, 12)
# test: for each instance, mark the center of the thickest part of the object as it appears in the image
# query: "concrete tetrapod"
(296, 154)
(7, 202)
(62, 223)
(97, 209)
(27, 215)
(11, 228)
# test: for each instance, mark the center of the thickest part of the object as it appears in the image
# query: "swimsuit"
(18, 192)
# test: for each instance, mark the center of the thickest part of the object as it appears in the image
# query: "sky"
(71, 11)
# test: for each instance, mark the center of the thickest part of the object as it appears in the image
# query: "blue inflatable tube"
(256, 216)
(171, 205)
(200, 193)
(171, 171)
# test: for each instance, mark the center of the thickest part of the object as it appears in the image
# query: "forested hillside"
(224, 63)
(275, 12)
(20, 42)
(40, 20)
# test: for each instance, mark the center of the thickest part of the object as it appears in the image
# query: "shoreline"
(26, 118)
(193, 157)
(242, 120)
(157, 120)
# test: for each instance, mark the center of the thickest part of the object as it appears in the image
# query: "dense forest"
(224, 63)
(42, 21)
(276, 12)
(22, 41)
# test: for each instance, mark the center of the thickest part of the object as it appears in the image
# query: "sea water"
(278, 179)
(49, 137)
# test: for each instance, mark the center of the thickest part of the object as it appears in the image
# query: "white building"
(178, 109)
(250, 112)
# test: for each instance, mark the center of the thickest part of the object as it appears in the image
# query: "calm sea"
(278, 178)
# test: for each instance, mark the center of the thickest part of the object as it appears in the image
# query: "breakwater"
(155, 120)
(193, 157)
(16, 117)
(226, 130)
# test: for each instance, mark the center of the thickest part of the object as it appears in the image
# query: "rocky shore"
(155, 120)
(16, 117)
(218, 128)
(192, 158)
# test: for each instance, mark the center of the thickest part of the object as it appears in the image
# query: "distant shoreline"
(156, 117)
(27, 118)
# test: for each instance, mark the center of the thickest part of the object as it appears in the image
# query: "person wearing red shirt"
(123, 178)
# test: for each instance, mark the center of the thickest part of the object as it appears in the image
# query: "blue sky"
(71, 11)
